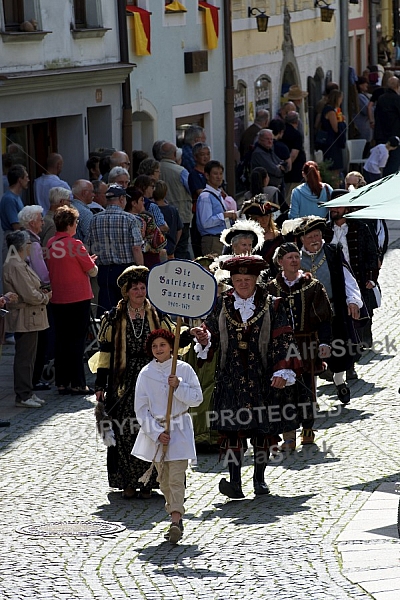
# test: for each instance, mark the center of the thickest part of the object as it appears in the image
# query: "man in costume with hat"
(255, 365)
(326, 263)
(361, 252)
(309, 312)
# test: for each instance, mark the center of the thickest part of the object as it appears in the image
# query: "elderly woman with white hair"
(120, 176)
(58, 196)
(31, 219)
(26, 317)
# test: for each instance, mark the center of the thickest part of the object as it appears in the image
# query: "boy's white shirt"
(151, 397)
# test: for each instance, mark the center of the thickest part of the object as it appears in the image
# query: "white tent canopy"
(384, 210)
(378, 193)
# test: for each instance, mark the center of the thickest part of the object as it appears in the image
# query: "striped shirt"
(112, 234)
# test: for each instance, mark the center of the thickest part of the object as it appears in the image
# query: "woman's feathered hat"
(258, 205)
(244, 227)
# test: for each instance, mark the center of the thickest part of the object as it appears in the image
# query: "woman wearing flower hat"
(251, 330)
(122, 336)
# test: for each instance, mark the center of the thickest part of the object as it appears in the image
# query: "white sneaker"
(29, 403)
(36, 399)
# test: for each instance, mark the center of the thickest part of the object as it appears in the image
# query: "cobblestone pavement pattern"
(280, 546)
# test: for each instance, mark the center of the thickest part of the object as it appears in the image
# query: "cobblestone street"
(283, 546)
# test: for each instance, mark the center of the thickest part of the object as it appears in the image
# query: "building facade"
(297, 49)
(179, 79)
(60, 82)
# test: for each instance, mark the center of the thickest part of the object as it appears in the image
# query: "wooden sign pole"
(173, 371)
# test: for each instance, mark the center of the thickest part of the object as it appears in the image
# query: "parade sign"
(181, 287)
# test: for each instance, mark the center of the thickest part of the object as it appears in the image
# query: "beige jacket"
(29, 313)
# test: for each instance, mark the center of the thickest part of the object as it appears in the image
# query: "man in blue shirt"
(11, 202)
(211, 215)
(83, 196)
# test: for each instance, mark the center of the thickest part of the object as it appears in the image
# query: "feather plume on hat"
(291, 225)
(245, 227)
(217, 268)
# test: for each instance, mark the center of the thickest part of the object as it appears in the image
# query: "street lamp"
(261, 19)
(326, 10)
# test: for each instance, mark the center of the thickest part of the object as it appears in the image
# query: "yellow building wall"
(251, 42)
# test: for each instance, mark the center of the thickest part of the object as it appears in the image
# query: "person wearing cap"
(309, 311)
(378, 158)
(361, 253)
(122, 337)
(307, 197)
(260, 210)
(326, 263)
(254, 394)
(114, 235)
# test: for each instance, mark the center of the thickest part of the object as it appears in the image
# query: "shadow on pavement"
(370, 486)
(169, 559)
(258, 509)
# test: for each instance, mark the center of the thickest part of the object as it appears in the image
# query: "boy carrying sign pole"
(165, 389)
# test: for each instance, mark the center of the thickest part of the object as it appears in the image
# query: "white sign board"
(182, 288)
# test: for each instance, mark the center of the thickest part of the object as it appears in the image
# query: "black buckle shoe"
(343, 393)
(232, 490)
(261, 489)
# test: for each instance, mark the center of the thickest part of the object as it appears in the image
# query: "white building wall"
(58, 48)
(161, 90)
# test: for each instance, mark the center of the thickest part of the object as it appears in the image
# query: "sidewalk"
(327, 531)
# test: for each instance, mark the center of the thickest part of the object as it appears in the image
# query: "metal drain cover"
(79, 528)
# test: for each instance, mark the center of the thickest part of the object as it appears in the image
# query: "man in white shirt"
(43, 184)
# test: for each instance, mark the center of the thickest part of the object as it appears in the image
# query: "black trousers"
(182, 247)
(71, 326)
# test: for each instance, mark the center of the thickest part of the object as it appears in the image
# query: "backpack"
(153, 239)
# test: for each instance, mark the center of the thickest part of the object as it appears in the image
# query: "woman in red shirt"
(70, 268)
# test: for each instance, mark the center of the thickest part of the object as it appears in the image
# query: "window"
(87, 14)
(262, 93)
(80, 13)
(13, 14)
